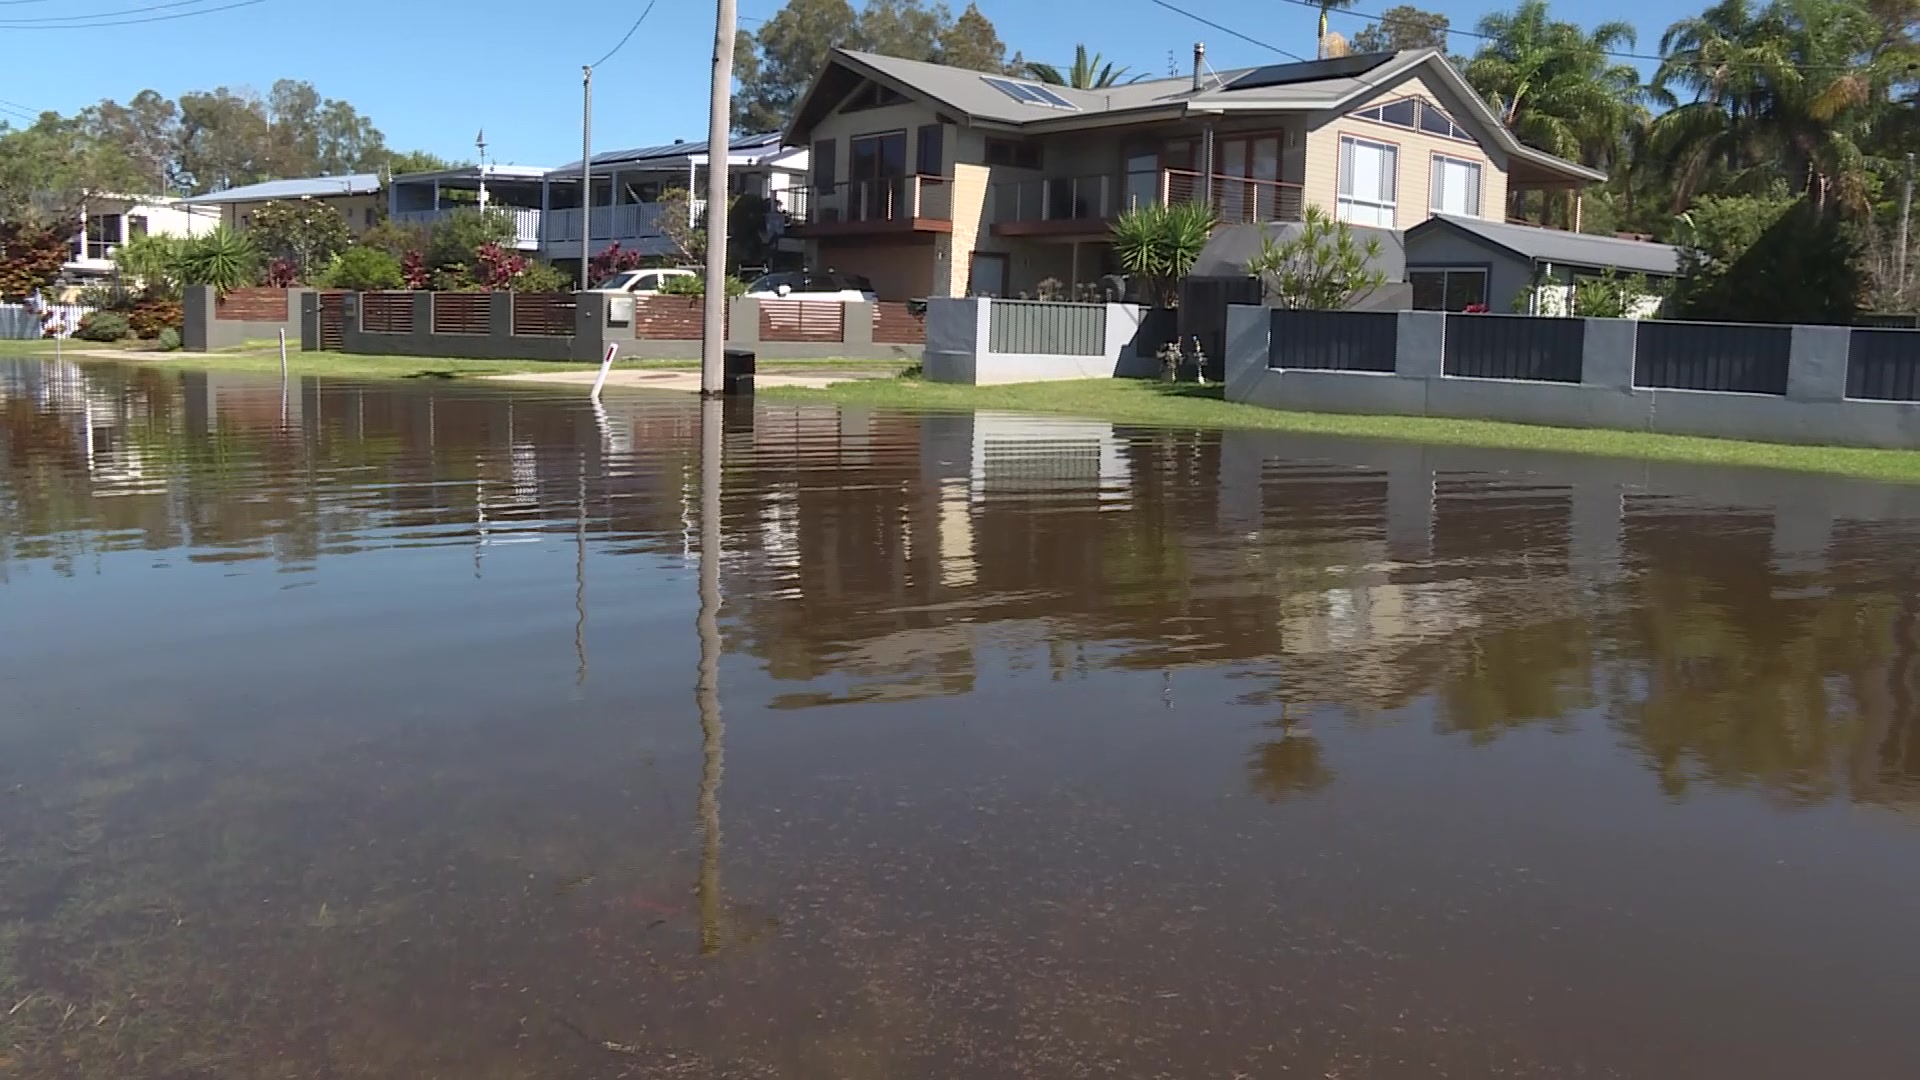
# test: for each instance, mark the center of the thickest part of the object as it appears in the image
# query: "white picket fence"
(19, 322)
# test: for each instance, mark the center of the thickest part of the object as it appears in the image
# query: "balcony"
(526, 221)
(1085, 205)
(855, 207)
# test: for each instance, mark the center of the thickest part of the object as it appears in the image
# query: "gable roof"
(309, 187)
(1566, 248)
(1309, 86)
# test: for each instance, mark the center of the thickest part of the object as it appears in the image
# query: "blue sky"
(432, 74)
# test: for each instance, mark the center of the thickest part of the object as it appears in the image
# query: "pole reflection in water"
(707, 688)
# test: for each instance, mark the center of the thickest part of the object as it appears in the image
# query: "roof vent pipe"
(1199, 62)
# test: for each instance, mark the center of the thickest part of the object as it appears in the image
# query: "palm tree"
(1556, 86)
(1326, 6)
(1087, 73)
(1790, 92)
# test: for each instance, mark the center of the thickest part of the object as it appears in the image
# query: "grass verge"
(254, 360)
(1144, 402)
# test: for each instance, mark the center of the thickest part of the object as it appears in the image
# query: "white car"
(641, 282)
(829, 286)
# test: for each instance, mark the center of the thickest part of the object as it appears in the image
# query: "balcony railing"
(526, 220)
(1102, 197)
(1237, 200)
(885, 201)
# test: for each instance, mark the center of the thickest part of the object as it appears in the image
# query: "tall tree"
(1403, 27)
(1326, 6)
(48, 169)
(971, 41)
(1556, 86)
(146, 130)
(1087, 73)
(225, 141)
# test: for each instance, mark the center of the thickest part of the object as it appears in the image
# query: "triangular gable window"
(871, 95)
(1416, 114)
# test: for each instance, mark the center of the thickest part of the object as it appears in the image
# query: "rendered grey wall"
(959, 349)
(1814, 410)
(201, 332)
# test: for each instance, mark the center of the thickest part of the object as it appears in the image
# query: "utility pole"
(719, 122)
(480, 142)
(1906, 212)
(586, 174)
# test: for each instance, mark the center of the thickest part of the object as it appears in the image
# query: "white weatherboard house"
(108, 221)
(942, 181)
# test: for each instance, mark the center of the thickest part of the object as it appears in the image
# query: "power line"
(145, 10)
(623, 39)
(43, 25)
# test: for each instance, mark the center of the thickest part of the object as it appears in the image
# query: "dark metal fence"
(1039, 326)
(1515, 347)
(1334, 340)
(1728, 357)
(1203, 315)
(1883, 365)
(1158, 326)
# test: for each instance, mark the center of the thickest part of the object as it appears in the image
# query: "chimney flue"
(1199, 61)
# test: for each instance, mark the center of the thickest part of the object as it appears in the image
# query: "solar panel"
(1029, 93)
(1340, 67)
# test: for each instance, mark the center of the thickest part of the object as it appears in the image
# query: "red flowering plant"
(495, 267)
(413, 268)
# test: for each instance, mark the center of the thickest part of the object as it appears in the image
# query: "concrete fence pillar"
(196, 324)
(422, 335)
(1607, 354)
(500, 316)
(1817, 363)
(856, 332)
(743, 323)
(309, 321)
(1421, 345)
(1249, 344)
(590, 331)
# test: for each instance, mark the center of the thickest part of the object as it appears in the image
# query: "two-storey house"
(941, 181)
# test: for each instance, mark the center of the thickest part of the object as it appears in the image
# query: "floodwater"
(395, 731)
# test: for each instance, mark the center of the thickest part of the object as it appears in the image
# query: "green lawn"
(265, 360)
(1143, 402)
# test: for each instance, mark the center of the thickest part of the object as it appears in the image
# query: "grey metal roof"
(1231, 247)
(1302, 87)
(1564, 248)
(305, 187)
(667, 153)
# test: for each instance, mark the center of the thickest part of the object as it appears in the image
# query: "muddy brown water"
(359, 733)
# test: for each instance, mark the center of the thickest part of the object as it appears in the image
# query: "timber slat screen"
(333, 321)
(1514, 347)
(1883, 365)
(1044, 327)
(462, 313)
(669, 318)
(386, 313)
(1334, 340)
(252, 305)
(802, 320)
(1728, 357)
(895, 324)
(543, 314)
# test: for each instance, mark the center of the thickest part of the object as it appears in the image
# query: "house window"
(369, 216)
(1415, 114)
(1369, 179)
(104, 234)
(875, 166)
(930, 158)
(1020, 155)
(1455, 186)
(822, 162)
(1448, 289)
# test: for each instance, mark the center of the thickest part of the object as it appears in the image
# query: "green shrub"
(223, 258)
(168, 341)
(1159, 244)
(456, 239)
(148, 317)
(363, 269)
(1320, 266)
(541, 277)
(696, 285)
(103, 326)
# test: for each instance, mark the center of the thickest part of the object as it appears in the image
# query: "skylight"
(1029, 93)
